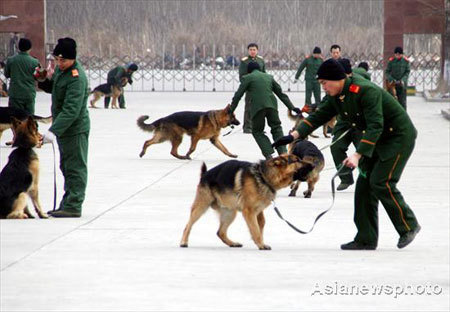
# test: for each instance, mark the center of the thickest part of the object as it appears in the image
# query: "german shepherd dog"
(198, 125)
(309, 153)
(107, 89)
(298, 118)
(241, 186)
(7, 113)
(20, 176)
(390, 87)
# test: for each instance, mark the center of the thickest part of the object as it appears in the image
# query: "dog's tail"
(44, 120)
(203, 170)
(146, 127)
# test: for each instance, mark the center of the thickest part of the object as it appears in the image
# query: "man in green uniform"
(312, 64)
(20, 68)
(261, 87)
(70, 127)
(363, 70)
(115, 76)
(252, 57)
(388, 138)
(398, 71)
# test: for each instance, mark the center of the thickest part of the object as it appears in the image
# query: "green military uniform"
(71, 126)
(388, 138)
(261, 86)
(114, 77)
(362, 72)
(398, 70)
(311, 64)
(22, 92)
(247, 126)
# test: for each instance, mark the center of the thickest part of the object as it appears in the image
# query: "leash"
(229, 132)
(334, 142)
(333, 192)
(54, 177)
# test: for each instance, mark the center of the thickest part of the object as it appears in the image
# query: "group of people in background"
(377, 124)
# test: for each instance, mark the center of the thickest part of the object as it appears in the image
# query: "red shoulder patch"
(391, 58)
(74, 72)
(354, 88)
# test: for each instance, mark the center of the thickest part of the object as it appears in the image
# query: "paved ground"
(123, 254)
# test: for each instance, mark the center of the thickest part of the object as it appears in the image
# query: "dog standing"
(241, 186)
(107, 89)
(198, 125)
(307, 152)
(298, 118)
(20, 176)
(7, 113)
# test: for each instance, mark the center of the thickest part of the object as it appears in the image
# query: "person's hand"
(283, 141)
(352, 161)
(48, 137)
(297, 110)
(40, 74)
(295, 81)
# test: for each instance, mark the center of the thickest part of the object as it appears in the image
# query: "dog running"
(107, 89)
(241, 186)
(309, 153)
(198, 125)
(7, 113)
(20, 176)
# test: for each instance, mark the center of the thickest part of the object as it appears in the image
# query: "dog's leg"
(261, 222)
(33, 192)
(157, 138)
(18, 208)
(216, 142)
(294, 188)
(94, 100)
(252, 223)
(114, 102)
(194, 142)
(227, 217)
(28, 213)
(311, 183)
(325, 130)
(203, 199)
(176, 141)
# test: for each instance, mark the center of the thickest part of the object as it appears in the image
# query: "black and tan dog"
(308, 153)
(241, 186)
(198, 125)
(7, 113)
(20, 176)
(107, 89)
(390, 87)
(298, 118)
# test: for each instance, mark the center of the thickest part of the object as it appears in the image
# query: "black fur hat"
(66, 48)
(24, 44)
(317, 50)
(331, 70)
(398, 50)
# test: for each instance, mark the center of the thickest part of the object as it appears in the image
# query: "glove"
(40, 74)
(297, 110)
(48, 137)
(295, 81)
(283, 141)
(130, 81)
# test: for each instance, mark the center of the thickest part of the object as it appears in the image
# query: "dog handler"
(261, 86)
(71, 125)
(388, 138)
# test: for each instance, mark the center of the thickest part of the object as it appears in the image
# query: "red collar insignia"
(354, 88)
(74, 72)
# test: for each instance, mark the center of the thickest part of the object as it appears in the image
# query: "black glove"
(130, 81)
(297, 110)
(283, 141)
(302, 173)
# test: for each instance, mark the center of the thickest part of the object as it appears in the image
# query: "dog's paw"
(236, 245)
(141, 154)
(265, 247)
(307, 194)
(43, 215)
(183, 245)
(233, 156)
(292, 193)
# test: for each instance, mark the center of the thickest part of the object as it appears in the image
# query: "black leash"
(54, 177)
(333, 192)
(232, 127)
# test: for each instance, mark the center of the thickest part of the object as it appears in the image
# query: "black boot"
(358, 246)
(343, 186)
(408, 237)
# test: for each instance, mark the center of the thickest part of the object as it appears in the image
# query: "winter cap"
(364, 65)
(24, 44)
(398, 50)
(133, 67)
(317, 50)
(66, 48)
(331, 70)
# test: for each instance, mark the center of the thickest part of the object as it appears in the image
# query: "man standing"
(20, 68)
(398, 71)
(252, 57)
(261, 86)
(312, 64)
(115, 76)
(70, 127)
(388, 138)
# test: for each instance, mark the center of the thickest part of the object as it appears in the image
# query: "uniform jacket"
(362, 72)
(398, 69)
(261, 87)
(385, 125)
(244, 63)
(311, 64)
(20, 69)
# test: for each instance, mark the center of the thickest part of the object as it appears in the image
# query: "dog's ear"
(15, 122)
(227, 108)
(31, 124)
